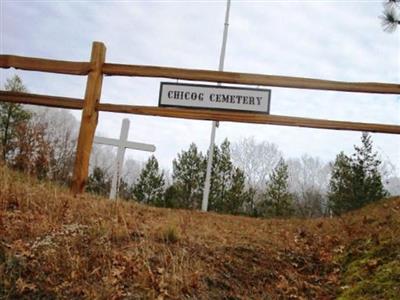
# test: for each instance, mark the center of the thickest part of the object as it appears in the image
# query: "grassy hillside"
(55, 246)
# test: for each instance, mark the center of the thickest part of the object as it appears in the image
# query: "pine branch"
(391, 4)
(390, 19)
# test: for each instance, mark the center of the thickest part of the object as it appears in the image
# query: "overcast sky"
(338, 40)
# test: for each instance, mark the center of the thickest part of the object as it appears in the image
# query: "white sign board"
(214, 97)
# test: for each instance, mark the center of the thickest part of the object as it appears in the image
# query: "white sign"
(214, 97)
(122, 144)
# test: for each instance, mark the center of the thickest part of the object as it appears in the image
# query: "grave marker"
(122, 143)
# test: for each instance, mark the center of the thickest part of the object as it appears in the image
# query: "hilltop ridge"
(55, 246)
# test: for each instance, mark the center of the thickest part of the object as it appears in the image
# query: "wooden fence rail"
(199, 114)
(250, 79)
(97, 68)
(44, 65)
(43, 100)
(83, 68)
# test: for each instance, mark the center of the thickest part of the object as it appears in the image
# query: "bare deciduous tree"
(61, 134)
(256, 159)
(308, 181)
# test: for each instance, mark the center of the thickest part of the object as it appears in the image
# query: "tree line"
(248, 177)
(354, 181)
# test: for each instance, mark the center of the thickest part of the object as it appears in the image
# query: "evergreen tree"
(368, 182)
(250, 204)
(11, 117)
(356, 180)
(221, 177)
(340, 196)
(99, 182)
(188, 172)
(390, 18)
(228, 192)
(172, 197)
(237, 195)
(149, 188)
(277, 201)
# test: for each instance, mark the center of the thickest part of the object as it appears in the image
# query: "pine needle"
(390, 20)
(391, 4)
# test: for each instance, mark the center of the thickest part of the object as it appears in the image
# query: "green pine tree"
(99, 182)
(221, 177)
(149, 188)
(237, 195)
(11, 117)
(368, 181)
(277, 201)
(172, 197)
(188, 172)
(228, 192)
(340, 196)
(250, 206)
(390, 18)
(356, 180)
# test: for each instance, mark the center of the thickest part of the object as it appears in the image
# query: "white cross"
(122, 144)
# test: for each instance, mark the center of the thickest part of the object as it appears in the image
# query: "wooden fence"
(97, 68)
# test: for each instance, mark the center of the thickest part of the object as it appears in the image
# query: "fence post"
(89, 118)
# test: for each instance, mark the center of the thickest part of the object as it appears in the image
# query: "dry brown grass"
(55, 246)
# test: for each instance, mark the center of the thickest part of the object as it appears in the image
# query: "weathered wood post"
(89, 118)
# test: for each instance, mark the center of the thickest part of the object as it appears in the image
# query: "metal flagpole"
(215, 124)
